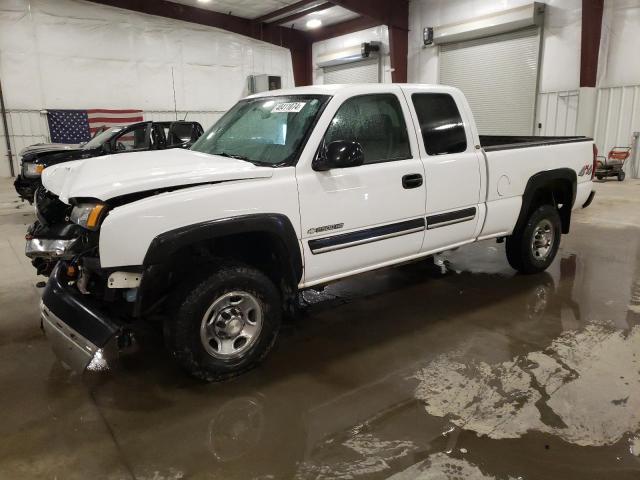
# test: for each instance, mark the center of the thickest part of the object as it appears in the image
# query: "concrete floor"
(460, 369)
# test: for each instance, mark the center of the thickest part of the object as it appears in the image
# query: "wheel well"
(266, 241)
(264, 251)
(554, 187)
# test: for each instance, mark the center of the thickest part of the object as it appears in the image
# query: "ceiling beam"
(296, 41)
(294, 7)
(386, 12)
(342, 28)
(398, 52)
(298, 15)
(163, 8)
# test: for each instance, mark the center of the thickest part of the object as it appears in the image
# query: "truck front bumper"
(81, 335)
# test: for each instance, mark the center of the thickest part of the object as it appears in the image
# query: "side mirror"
(339, 154)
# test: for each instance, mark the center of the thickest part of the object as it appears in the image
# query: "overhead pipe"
(6, 132)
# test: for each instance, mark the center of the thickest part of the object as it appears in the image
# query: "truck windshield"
(264, 131)
(101, 138)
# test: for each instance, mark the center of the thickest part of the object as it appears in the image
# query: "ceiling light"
(204, 1)
(314, 23)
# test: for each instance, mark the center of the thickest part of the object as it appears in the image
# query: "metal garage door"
(499, 76)
(364, 71)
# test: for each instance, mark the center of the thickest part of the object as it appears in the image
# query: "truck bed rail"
(491, 143)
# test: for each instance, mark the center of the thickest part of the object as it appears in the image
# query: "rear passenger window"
(440, 123)
(377, 123)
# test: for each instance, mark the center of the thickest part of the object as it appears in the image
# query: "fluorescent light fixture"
(314, 23)
(204, 1)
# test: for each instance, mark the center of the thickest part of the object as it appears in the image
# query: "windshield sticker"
(289, 107)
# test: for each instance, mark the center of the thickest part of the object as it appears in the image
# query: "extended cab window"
(265, 131)
(440, 122)
(377, 123)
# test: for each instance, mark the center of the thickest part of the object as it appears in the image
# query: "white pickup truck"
(290, 189)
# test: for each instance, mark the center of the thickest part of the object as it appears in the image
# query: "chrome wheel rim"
(231, 325)
(542, 241)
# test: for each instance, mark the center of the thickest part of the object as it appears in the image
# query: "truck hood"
(48, 147)
(112, 176)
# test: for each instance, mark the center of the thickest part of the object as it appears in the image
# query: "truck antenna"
(173, 83)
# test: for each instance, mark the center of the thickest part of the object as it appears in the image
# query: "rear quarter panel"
(509, 170)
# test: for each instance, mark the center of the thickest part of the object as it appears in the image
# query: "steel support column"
(590, 41)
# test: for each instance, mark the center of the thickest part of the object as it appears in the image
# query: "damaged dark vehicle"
(141, 136)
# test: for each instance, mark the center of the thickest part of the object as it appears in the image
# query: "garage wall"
(376, 34)
(560, 62)
(560, 56)
(71, 54)
(509, 63)
(557, 113)
(618, 107)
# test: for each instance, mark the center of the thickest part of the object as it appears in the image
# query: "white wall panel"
(617, 117)
(620, 43)
(26, 127)
(557, 113)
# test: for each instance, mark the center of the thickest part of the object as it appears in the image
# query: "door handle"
(413, 180)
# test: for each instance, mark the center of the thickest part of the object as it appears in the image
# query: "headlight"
(88, 215)
(33, 170)
(48, 248)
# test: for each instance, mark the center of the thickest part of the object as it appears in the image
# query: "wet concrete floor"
(457, 369)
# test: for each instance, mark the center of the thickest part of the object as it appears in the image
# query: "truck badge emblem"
(325, 228)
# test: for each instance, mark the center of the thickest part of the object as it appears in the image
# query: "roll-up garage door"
(499, 76)
(363, 71)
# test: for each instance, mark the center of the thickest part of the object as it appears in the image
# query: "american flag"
(76, 126)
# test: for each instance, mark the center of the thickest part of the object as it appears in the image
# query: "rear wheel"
(532, 248)
(225, 324)
(621, 176)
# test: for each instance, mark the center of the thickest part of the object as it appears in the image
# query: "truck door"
(134, 138)
(358, 217)
(452, 168)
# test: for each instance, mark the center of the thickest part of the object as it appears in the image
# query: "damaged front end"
(53, 236)
(83, 333)
(86, 310)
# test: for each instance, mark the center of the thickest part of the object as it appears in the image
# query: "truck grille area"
(49, 209)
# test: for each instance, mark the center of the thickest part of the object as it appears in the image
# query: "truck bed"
(492, 143)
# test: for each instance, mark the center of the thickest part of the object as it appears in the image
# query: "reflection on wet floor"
(440, 369)
(449, 369)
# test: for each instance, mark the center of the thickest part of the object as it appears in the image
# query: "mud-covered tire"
(521, 254)
(182, 330)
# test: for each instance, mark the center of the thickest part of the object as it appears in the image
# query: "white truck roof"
(352, 88)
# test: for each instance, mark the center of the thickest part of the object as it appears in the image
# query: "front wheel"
(532, 248)
(224, 324)
(621, 176)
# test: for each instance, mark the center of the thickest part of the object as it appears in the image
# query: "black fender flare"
(166, 244)
(540, 180)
